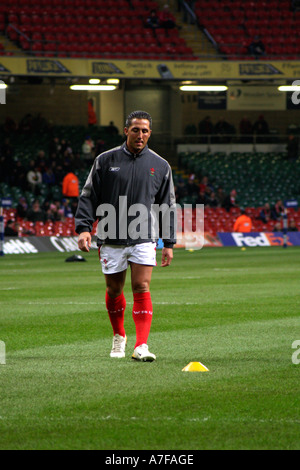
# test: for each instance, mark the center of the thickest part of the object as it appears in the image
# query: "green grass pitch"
(235, 311)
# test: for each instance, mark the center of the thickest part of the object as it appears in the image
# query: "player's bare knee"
(140, 287)
(114, 291)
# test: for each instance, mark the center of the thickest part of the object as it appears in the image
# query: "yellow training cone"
(195, 367)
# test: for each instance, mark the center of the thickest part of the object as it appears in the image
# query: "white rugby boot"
(118, 346)
(142, 353)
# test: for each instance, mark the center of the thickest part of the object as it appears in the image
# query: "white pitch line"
(9, 288)
(103, 303)
(196, 419)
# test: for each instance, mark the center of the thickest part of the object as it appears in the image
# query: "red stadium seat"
(257, 18)
(47, 19)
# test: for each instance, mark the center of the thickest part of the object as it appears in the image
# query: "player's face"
(137, 135)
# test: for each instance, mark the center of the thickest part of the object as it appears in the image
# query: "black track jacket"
(119, 182)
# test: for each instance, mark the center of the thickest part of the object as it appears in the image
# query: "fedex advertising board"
(253, 239)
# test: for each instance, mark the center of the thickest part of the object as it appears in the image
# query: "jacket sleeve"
(89, 200)
(168, 220)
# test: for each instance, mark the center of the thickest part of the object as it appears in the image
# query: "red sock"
(116, 308)
(142, 316)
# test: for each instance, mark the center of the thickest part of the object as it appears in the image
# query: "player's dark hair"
(138, 115)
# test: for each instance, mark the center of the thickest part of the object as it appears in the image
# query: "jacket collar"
(135, 155)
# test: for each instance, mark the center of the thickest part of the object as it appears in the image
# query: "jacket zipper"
(132, 179)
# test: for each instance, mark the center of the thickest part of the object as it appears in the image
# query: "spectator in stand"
(292, 147)
(34, 178)
(112, 129)
(208, 190)
(230, 200)
(211, 200)
(153, 21)
(201, 197)
(18, 175)
(203, 184)
(277, 210)
(55, 213)
(67, 211)
(205, 128)
(40, 160)
(220, 196)
(92, 118)
(11, 229)
(7, 149)
(292, 226)
(22, 208)
(63, 147)
(223, 130)
(257, 48)
(181, 190)
(70, 186)
(265, 213)
(35, 214)
(243, 223)
(76, 161)
(54, 146)
(88, 151)
(246, 130)
(59, 173)
(67, 151)
(192, 187)
(277, 227)
(26, 124)
(166, 19)
(261, 129)
(48, 177)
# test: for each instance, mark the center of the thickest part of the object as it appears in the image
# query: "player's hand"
(84, 241)
(166, 256)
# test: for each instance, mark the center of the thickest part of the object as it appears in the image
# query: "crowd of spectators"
(223, 131)
(191, 191)
(56, 167)
(47, 184)
(204, 192)
(44, 168)
(161, 19)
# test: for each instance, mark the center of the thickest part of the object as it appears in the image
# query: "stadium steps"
(9, 47)
(198, 42)
(194, 37)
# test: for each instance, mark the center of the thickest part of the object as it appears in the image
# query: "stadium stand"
(257, 177)
(233, 24)
(93, 28)
(111, 29)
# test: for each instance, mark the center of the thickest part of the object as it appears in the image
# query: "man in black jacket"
(124, 181)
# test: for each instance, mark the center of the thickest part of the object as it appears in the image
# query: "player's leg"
(115, 305)
(114, 267)
(142, 309)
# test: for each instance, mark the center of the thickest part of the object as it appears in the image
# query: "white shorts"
(115, 258)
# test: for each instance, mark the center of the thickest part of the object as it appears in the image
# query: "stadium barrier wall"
(254, 239)
(27, 245)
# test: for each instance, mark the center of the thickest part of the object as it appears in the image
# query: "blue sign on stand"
(6, 202)
(291, 204)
